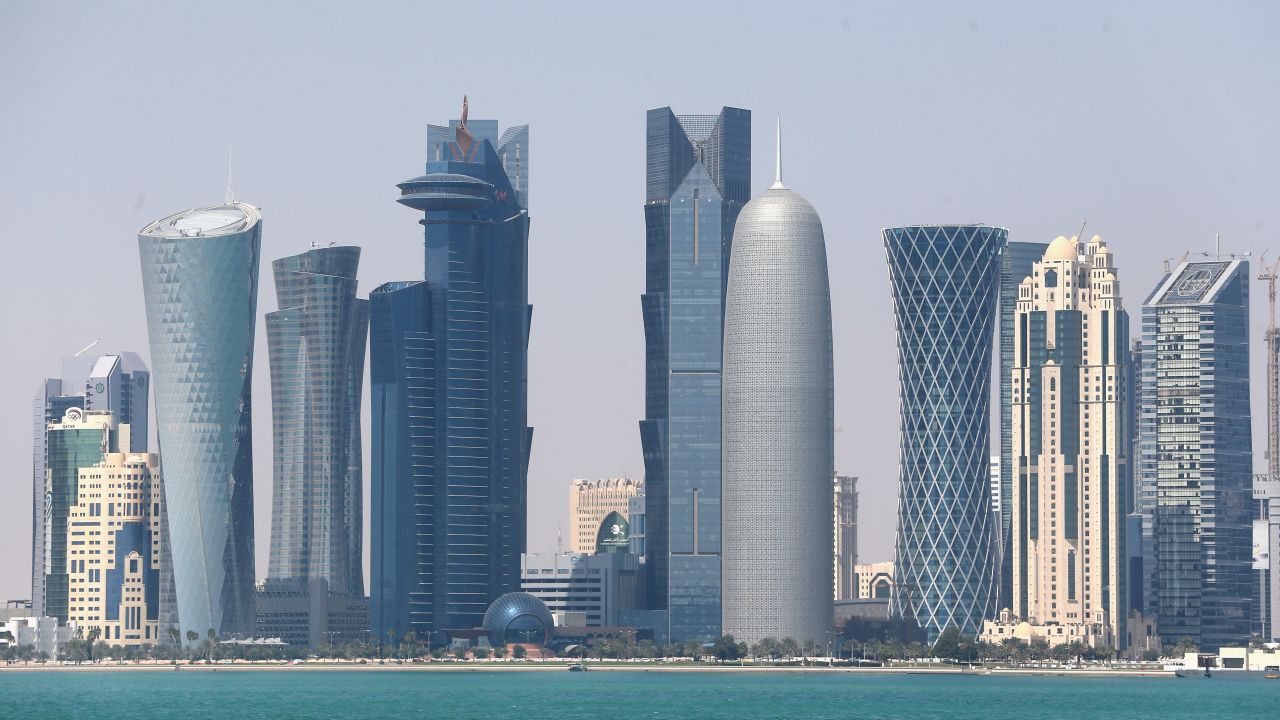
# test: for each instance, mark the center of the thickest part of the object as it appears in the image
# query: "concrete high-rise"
(1198, 450)
(316, 343)
(590, 501)
(779, 429)
(1071, 444)
(116, 383)
(698, 177)
(200, 284)
(1015, 266)
(448, 385)
(115, 574)
(844, 502)
(944, 280)
(78, 439)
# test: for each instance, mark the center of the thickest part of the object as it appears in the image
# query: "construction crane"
(1269, 274)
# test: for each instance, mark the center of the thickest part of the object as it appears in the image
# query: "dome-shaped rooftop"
(1062, 248)
(445, 191)
(518, 617)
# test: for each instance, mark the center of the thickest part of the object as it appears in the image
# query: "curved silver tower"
(778, 424)
(200, 282)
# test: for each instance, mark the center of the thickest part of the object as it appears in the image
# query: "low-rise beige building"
(591, 501)
(113, 548)
(874, 580)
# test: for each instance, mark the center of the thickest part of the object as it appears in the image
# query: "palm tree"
(213, 640)
(391, 640)
(94, 634)
(192, 637)
(174, 635)
(411, 640)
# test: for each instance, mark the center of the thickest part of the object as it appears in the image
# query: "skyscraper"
(316, 344)
(1199, 450)
(1071, 443)
(779, 423)
(115, 383)
(1015, 266)
(76, 440)
(845, 551)
(698, 177)
(449, 363)
(200, 284)
(944, 280)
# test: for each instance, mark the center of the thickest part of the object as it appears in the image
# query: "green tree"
(790, 648)
(481, 653)
(952, 644)
(500, 651)
(192, 637)
(460, 653)
(411, 643)
(213, 642)
(726, 648)
(94, 634)
(518, 652)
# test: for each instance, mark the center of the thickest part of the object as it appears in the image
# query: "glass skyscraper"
(1015, 265)
(698, 177)
(944, 280)
(448, 363)
(115, 383)
(1198, 451)
(200, 284)
(316, 343)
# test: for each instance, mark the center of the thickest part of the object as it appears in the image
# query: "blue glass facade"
(1015, 264)
(944, 281)
(316, 343)
(1198, 451)
(698, 176)
(448, 359)
(200, 284)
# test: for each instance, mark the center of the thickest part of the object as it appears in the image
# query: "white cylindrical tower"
(778, 424)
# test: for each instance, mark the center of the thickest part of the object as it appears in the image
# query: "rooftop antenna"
(1217, 244)
(777, 178)
(86, 348)
(231, 192)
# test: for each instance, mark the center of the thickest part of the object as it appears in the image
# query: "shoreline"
(602, 667)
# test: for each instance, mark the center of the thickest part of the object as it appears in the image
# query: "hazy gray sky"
(1156, 121)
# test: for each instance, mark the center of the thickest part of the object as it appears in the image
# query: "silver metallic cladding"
(778, 424)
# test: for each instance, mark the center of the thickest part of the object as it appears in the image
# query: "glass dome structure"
(518, 617)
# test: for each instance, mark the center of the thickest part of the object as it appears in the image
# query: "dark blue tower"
(698, 177)
(449, 361)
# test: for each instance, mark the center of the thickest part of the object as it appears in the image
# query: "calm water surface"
(281, 695)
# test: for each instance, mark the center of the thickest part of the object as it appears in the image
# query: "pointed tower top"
(230, 198)
(777, 178)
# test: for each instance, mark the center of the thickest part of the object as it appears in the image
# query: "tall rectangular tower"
(1071, 443)
(698, 177)
(1199, 450)
(449, 364)
(845, 503)
(316, 342)
(1015, 266)
(117, 383)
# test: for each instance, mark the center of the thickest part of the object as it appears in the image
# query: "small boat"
(1272, 676)
(578, 667)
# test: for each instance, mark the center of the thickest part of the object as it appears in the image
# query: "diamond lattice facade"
(200, 283)
(944, 280)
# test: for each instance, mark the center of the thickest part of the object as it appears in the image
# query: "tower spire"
(777, 177)
(230, 198)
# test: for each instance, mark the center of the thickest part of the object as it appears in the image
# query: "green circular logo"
(100, 388)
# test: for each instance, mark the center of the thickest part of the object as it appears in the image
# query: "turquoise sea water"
(285, 694)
